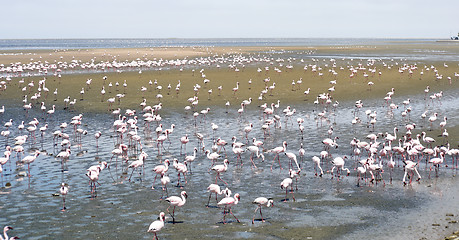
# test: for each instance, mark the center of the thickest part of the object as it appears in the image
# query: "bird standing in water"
(157, 225)
(64, 190)
(262, 201)
(176, 202)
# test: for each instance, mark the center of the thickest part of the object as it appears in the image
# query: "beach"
(295, 77)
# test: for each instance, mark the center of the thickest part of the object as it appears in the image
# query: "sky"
(32, 19)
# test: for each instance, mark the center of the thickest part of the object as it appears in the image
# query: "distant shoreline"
(53, 44)
(455, 41)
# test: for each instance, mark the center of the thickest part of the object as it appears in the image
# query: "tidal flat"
(323, 84)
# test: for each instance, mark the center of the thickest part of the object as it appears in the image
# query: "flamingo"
(247, 130)
(214, 188)
(411, 167)
(157, 225)
(221, 143)
(375, 168)
(212, 156)
(432, 119)
(277, 151)
(64, 190)
(138, 163)
(236, 88)
(181, 169)
(220, 169)
(176, 202)
(8, 124)
(228, 202)
(443, 124)
(338, 163)
(5, 229)
(436, 163)
(160, 140)
(427, 140)
(183, 140)
(5, 159)
(238, 151)
(190, 159)
(97, 135)
(391, 165)
(254, 150)
(93, 175)
(30, 159)
(316, 161)
(160, 170)
(292, 157)
(330, 143)
(262, 201)
(295, 175)
(287, 182)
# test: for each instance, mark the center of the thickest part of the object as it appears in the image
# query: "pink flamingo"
(157, 225)
(212, 156)
(97, 135)
(191, 158)
(220, 169)
(277, 151)
(138, 163)
(410, 166)
(316, 161)
(160, 170)
(287, 182)
(176, 202)
(228, 202)
(30, 159)
(338, 163)
(64, 190)
(214, 188)
(238, 151)
(292, 157)
(391, 165)
(262, 201)
(181, 170)
(436, 163)
(254, 150)
(183, 140)
(164, 181)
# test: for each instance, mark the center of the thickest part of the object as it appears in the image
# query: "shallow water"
(9, 44)
(325, 208)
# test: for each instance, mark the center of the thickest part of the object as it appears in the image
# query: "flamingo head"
(183, 193)
(237, 196)
(6, 228)
(162, 216)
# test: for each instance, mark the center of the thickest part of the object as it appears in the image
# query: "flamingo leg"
(293, 196)
(261, 214)
(218, 176)
(224, 215)
(286, 191)
(153, 186)
(253, 219)
(131, 174)
(63, 204)
(233, 215)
